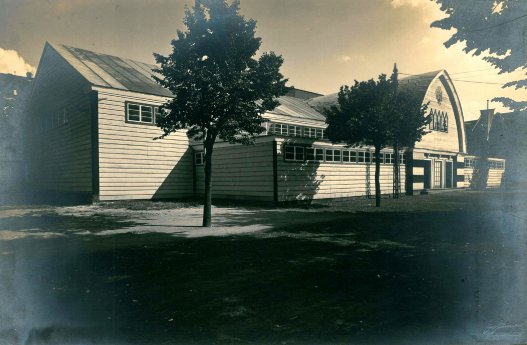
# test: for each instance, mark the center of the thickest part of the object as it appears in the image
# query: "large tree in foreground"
(362, 117)
(496, 29)
(220, 89)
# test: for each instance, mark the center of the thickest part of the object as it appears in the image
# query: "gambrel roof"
(416, 83)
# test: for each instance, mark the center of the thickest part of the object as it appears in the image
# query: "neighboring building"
(13, 94)
(506, 138)
(92, 119)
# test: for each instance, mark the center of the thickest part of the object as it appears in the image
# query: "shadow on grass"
(363, 277)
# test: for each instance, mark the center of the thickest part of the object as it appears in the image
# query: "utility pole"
(396, 166)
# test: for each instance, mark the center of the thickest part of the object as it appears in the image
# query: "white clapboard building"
(91, 126)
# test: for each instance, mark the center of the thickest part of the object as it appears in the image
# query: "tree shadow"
(179, 182)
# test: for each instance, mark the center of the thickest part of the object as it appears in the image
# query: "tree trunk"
(396, 172)
(207, 203)
(377, 176)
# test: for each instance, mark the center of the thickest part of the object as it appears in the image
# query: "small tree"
(362, 117)
(220, 90)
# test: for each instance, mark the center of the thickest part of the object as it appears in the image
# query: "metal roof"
(112, 71)
(296, 107)
(125, 74)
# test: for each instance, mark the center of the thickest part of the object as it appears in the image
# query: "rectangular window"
(388, 158)
(346, 156)
(295, 131)
(314, 154)
(198, 158)
(140, 113)
(294, 153)
(319, 133)
(402, 158)
(332, 155)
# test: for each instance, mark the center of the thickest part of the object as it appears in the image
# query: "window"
(310, 132)
(314, 154)
(198, 158)
(140, 113)
(439, 121)
(349, 156)
(470, 162)
(295, 131)
(332, 155)
(402, 158)
(388, 158)
(294, 153)
(320, 133)
(496, 165)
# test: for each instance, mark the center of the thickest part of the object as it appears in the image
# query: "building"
(504, 134)
(92, 119)
(13, 95)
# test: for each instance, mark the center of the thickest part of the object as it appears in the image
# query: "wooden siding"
(240, 172)
(493, 180)
(436, 140)
(59, 157)
(132, 165)
(322, 180)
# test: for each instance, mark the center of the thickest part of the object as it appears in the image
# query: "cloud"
(412, 3)
(11, 62)
(350, 58)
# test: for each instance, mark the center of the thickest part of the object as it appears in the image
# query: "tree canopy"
(220, 89)
(374, 113)
(496, 29)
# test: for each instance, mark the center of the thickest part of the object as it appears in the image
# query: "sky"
(324, 43)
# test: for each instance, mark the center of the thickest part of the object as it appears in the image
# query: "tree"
(362, 117)
(220, 89)
(407, 124)
(495, 28)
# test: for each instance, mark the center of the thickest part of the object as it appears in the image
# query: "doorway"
(438, 174)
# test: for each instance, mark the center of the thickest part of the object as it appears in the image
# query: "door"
(438, 174)
(448, 175)
(427, 174)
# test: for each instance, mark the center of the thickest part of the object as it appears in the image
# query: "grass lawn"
(446, 268)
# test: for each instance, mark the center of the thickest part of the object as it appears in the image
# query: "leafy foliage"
(494, 28)
(371, 113)
(362, 115)
(219, 88)
(409, 120)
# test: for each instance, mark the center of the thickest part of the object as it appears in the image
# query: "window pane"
(133, 112)
(299, 153)
(367, 157)
(329, 155)
(336, 155)
(319, 154)
(146, 113)
(289, 152)
(361, 156)
(345, 156)
(310, 153)
(353, 156)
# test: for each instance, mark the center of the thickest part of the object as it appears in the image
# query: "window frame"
(295, 147)
(152, 106)
(202, 158)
